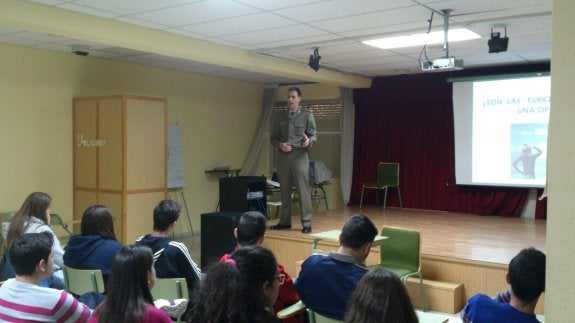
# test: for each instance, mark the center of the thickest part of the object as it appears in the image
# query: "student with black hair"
(526, 275)
(129, 298)
(325, 283)
(242, 289)
(96, 246)
(22, 299)
(250, 231)
(172, 258)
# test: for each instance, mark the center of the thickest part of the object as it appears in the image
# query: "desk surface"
(227, 172)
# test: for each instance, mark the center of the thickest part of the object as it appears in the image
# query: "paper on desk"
(272, 183)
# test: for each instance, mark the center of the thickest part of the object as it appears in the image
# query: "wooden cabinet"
(120, 159)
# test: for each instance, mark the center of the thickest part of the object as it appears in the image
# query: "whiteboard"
(176, 177)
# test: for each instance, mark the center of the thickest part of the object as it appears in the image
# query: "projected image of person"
(527, 160)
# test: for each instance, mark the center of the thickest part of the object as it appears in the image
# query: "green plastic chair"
(387, 176)
(170, 289)
(80, 281)
(56, 220)
(401, 254)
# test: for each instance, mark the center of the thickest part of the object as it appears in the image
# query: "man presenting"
(293, 132)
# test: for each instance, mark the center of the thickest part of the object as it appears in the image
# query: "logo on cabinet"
(83, 142)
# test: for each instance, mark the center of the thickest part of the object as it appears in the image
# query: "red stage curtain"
(409, 119)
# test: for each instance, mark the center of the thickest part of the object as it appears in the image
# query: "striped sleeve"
(184, 251)
(68, 309)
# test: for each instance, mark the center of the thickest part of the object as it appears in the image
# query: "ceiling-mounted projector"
(442, 63)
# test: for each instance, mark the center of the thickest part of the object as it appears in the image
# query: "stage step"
(439, 296)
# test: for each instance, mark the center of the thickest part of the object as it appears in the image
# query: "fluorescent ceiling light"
(435, 37)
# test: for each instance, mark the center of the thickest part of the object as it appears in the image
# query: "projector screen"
(501, 130)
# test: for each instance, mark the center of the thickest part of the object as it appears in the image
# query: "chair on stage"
(401, 254)
(81, 281)
(387, 176)
(299, 307)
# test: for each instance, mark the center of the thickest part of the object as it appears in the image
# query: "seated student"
(129, 297)
(22, 299)
(380, 296)
(250, 231)
(240, 290)
(96, 246)
(325, 283)
(526, 275)
(172, 259)
(34, 217)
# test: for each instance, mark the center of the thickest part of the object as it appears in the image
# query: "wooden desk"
(333, 235)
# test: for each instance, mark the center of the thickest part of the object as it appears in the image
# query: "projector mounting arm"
(445, 13)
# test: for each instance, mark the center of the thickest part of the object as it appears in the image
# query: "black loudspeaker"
(243, 193)
(217, 236)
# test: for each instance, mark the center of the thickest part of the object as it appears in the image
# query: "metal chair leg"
(324, 197)
(361, 200)
(399, 193)
(384, 198)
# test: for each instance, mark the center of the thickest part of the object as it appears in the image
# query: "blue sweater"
(325, 283)
(482, 308)
(91, 252)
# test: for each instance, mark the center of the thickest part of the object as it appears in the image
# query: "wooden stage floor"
(491, 239)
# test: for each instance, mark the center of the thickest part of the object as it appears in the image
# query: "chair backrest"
(81, 281)
(60, 228)
(55, 219)
(401, 249)
(170, 288)
(388, 174)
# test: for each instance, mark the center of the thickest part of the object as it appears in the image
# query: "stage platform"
(465, 249)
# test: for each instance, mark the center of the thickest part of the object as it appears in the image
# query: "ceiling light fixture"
(496, 43)
(436, 37)
(314, 60)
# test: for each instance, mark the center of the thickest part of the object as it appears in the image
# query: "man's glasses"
(281, 278)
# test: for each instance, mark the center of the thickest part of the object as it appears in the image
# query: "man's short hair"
(251, 227)
(296, 89)
(28, 249)
(527, 274)
(357, 231)
(166, 213)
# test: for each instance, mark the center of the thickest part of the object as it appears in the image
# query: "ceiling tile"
(129, 7)
(339, 8)
(275, 35)
(374, 20)
(196, 12)
(242, 24)
(271, 5)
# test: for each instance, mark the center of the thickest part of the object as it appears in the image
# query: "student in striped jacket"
(23, 299)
